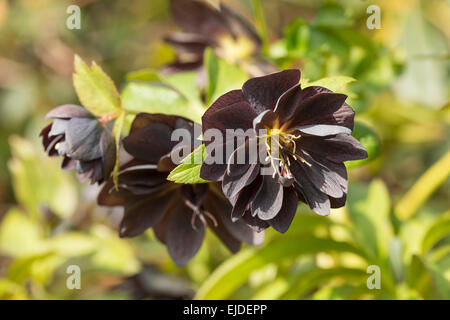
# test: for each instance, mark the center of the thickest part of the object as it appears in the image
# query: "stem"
(261, 24)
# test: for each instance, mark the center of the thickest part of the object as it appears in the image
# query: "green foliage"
(222, 76)
(30, 169)
(95, 89)
(188, 171)
(370, 140)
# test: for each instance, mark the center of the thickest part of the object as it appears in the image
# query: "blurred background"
(397, 216)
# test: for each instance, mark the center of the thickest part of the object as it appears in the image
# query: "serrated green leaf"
(370, 140)
(188, 171)
(95, 90)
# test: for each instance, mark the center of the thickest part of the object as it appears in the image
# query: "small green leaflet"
(188, 171)
(96, 91)
(117, 130)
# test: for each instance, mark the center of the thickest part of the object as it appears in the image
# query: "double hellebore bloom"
(228, 34)
(178, 213)
(303, 136)
(86, 144)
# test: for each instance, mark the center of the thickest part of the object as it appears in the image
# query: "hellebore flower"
(227, 33)
(310, 130)
(178, 213)
(86, 144)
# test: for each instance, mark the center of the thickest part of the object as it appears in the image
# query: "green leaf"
(158, 98)
(149, 75)
(95, 89)
(369, 209)
(188, 171)
(234, 272)
(316, 277)
(222, 76)
(20, 235)
(370, 140)
(416, 196)
(336, 83)
(39, 182)
(439, 230)
(332, 15)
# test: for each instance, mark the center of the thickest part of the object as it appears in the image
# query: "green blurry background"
(397, 216)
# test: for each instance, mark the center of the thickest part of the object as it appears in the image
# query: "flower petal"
(338, 148)
(183, 242)
(83, 139)
(317, 200)
(142, 213)
(269, 200)
(245, 197)
(262, 93)
(232, 185)
(283, 219)
(150, 142)
(69, 111)
(326, 108)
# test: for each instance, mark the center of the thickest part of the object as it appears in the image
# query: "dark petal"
(338, 203)
(240, 27)
(142, 213)
(165, 163)
(323, 129)
(191, 43)
(338, 148)
(51, 147)
(226, 237)
(143, 119)
(59, 127)
(262, 93)
(160, 228)
(236, 116)
(198, 17)
(245, 197)
(322, 177)
(324, 109)
(265, 119)
(97, 175)
(283, 219)
(150, 142)
(108, 196)
(141, 176)
(183, 242)
(85, 176)
(232, 185)
(108, 150)
(221, 209)
(269, 199)
(194, 194)
(223, 101)
(83, 139)
(338, 169)
(240, 160)
(215, 171)
(289, 102)
(317, 200)
(212, 172)
(69, 111)
(68, 164)
(255, 223)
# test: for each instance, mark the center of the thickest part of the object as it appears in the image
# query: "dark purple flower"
(178, 213)
(230, 36)
(311, 130)
(86, 144)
